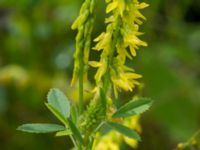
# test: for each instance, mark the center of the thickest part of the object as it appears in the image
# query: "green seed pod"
(80, 34)
(84, 23)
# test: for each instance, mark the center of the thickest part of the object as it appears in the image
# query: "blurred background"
(36, 53)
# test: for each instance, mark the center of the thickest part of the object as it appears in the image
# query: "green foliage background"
(36, 53)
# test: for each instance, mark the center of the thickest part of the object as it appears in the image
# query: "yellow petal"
(109, 19)
(131, 142)
(111, 6)
(100, 37)
(133, 51)
(142, 5)
(95, 64)
(121, 7)
(133, 75)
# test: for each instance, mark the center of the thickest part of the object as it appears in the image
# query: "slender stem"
(110, 58)
(91, 144)
(116, 101)
(72, 139)
(81, 85)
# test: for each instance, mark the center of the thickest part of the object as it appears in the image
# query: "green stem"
(81, 85)
(116, 101)
(110, 58)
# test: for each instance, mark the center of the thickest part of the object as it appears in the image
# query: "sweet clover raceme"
(121, 35)
(120, 41)
(84, 24)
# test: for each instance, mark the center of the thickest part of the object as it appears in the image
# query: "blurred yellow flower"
(133, 123)
(15, 74)
(113, 139)
(109, 142)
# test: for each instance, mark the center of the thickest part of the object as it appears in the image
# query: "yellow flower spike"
(119, 42)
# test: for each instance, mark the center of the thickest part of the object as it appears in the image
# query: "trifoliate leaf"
(40, 128)
(59, 101)
(125, 130)
(57, 114)
(133, 107)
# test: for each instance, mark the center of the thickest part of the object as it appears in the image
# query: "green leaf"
(66, 132)
(59, 101)
(40, 128)
(75, 131)
(57, 114)
(124, 130)
(133, 107)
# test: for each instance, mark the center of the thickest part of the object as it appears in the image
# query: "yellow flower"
(127, 43)
(116, 4)
(123, 77)
(101, 71)
(103, 41)
(110, 141)
(111, 6)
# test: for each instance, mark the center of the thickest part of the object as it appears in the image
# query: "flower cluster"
(120, 41)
